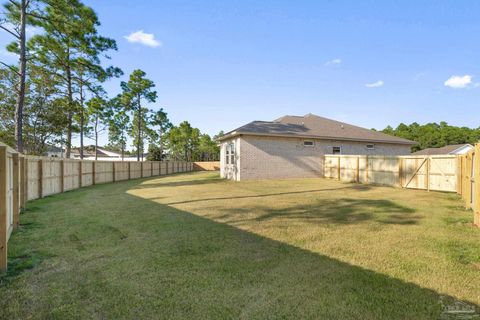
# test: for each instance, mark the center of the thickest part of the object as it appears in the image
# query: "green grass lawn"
(195, 246)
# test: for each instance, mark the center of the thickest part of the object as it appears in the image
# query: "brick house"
(292, 147)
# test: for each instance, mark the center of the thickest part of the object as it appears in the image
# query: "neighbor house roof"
(89, 151)
(450, 149)
(313, 126)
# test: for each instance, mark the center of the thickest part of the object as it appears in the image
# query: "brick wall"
(261, 157)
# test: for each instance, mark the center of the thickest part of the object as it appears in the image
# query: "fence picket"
(476, 185)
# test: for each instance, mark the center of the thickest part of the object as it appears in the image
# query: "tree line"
(55, 91)
(434, 135)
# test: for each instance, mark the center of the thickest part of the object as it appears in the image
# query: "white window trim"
(230, 154)
(233, 153)
(227, 154)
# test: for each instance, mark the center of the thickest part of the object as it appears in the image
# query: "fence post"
(151, 168)
(468, 179)
(357, 172)
(113, 171)
(400, 172)
(40, 178)
(80, 174)
(338, 168)
(166, 167)
(141, 169)
(129, 171)
(22, 182)
(3, 208)
(427, 174)
(25, 196)
(16, 189)
(458, 160)
(94, 169)
(62, 176)
(366, 169)
(476, 186)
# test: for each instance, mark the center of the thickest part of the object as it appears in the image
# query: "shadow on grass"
(26, 260)
(187, 266)
(191, 182)
(346, 211)
(352, 187)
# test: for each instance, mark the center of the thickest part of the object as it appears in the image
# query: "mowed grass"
(193, 246)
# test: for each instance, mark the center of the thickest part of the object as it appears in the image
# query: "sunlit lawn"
(195, 246)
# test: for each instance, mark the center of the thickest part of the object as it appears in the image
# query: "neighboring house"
(450, 149)
(102, 154)
(54, 152)
(292, 146)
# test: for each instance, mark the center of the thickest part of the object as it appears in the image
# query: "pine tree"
(71, 48)
(18, 15)
(135, 91)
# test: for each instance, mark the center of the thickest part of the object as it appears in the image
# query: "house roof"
(450, 149)
(313, 126)
(89, 151)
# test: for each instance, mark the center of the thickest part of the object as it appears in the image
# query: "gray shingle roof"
(313, 126)
(439, 151)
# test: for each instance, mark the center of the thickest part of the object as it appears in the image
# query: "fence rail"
(24, 178)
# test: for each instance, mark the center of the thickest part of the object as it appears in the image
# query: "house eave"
(238, 133)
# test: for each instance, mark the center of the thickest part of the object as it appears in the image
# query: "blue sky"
(221, 64)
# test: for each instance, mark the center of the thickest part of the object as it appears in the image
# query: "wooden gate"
(429, 172)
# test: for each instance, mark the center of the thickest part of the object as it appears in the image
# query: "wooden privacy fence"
(206, 165)
(24, 178)
(10, 198)
(414, 172)
(469, 181)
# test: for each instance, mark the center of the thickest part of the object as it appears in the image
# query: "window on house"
(370, 147)
(227, 154)
(232, 153)
(336, 150)
(308, 143)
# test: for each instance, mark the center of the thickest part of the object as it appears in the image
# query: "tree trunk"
(82, 118)
(70, 111)
(139, 127)
(22, 76)
(96, 137)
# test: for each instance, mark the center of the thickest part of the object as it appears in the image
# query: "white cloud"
(147, 39)
(377, 84)
(458, 82)
(334, 62)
